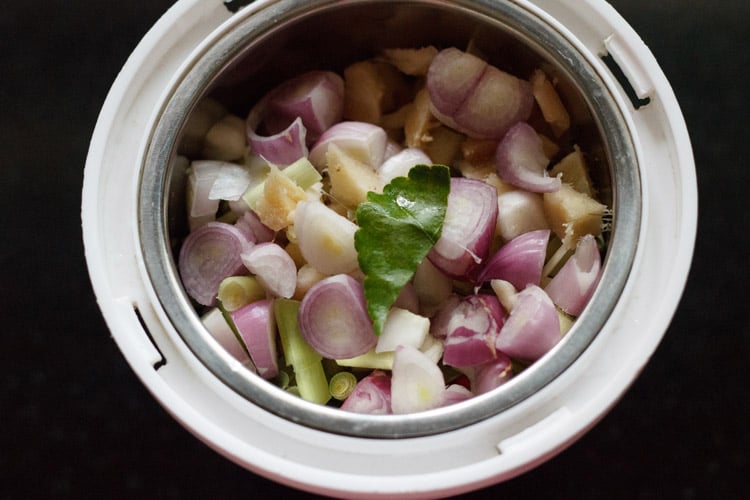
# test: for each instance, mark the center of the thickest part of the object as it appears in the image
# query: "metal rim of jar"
(160, 266)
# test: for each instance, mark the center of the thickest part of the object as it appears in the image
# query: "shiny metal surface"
(286, 37)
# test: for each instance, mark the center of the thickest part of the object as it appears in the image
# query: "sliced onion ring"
(470, 221)
(333, 318)
(475, 98)
(572, 287)
(295, 114)
(208, 255)
(316, 97)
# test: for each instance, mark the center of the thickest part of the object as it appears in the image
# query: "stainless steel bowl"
(287, 37)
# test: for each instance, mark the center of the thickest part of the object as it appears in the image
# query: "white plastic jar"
(127, 226)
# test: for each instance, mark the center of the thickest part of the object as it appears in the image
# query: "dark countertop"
(77, 422)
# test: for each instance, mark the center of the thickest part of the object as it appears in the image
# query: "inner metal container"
(284, 38)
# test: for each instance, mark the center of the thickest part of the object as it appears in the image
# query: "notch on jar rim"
(272, 32)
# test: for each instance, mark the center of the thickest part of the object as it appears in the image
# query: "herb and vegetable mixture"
(399, 237)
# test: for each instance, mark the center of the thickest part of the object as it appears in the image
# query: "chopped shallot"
(417, 384)
(283, 148)
(400, 163)
(475, 98)
(468, 228)
(519, 261)
(362, 141)
(333, 318)
(273, 267)
(372, 395)
(493, 374)
(257, 327)
(208, 255)
(572, 287)
(533, 327)
(473, 328)
(253, 229)
(521, 160)
(455, 393)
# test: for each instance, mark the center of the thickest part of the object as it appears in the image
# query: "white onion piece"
(231, 183)
(521, 161)
(475, 98)
(433, 348)
(417, 384)
(333, 318)
(316, 97)
(325, 238)
(256, 325)
(455, 393)
(273, 267)
(533, 327)
(402, 327)
(468, 228)
(201, 179)
(399, 164)
(372, 395)
(208, 255)
(520, 261)
(493, 374)
(283, 148)
(472, 331)
(519, 212)
(250, 225)
(572, 287)
(362, 141)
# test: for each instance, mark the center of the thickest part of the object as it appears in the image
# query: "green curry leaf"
(397, 229)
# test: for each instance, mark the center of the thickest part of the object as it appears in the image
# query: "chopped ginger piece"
(549, 146)
(351, 179)
(419, 121)
(396, 120)
(573, 214)
(478, 149)
(549, 102)
(364, 93)
(413, 62)
(373, 89)
(575, 172)
(445, 145)
(280, 197)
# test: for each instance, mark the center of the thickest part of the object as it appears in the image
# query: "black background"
(74, 419)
